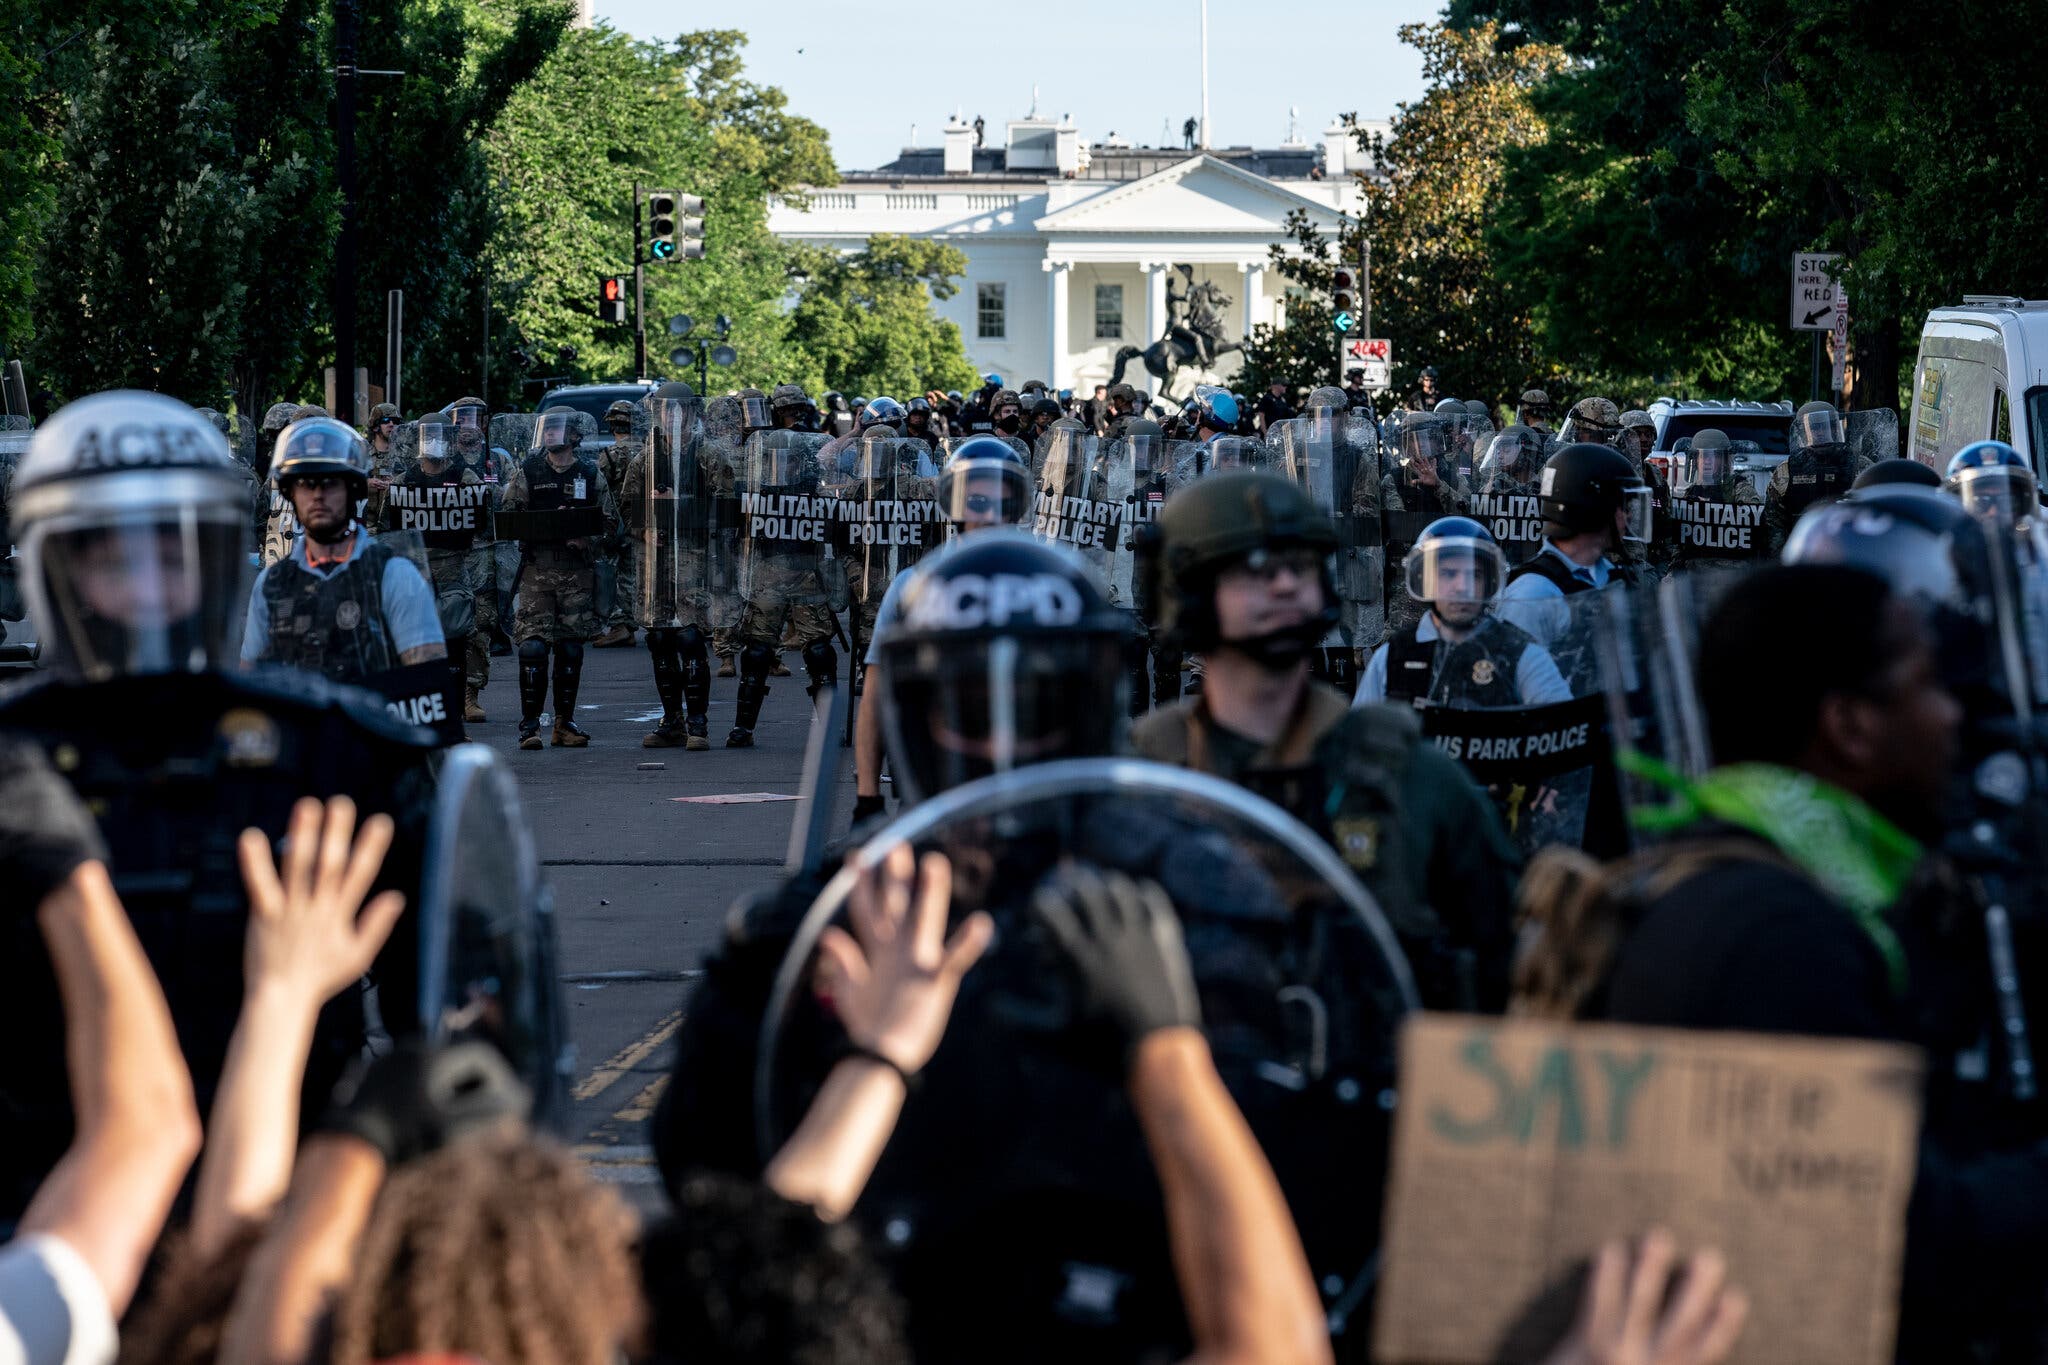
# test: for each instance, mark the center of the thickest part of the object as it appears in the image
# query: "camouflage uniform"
(618, 554)
(557, 588)
(557, 609)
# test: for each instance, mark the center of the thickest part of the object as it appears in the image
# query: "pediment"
(1201, 194)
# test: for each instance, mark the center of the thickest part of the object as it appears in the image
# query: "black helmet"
(318, 446)
(1223, 520)
(1817, 424)
(985, 483)
(1585, 484)
(1897, 470)
(999, 657)
(1927, 548)
(882, 412)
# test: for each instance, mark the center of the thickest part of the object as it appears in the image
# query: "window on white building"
(988, 312)
(1109, 312)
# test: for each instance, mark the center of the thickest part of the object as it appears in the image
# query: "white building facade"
(1071, 250)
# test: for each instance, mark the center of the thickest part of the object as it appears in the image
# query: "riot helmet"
(1584, 485)
(556, 433)
(998, 659)
(1533, 408)
(1231, 452)
(1006, 412)
(317, 447)
(1638, 434)
(1993, 483)
(788, 398)
(1214, 408)
(985, 483)
(469, 412)
(882, 412)
(278, 417)
(1457, 567)
(1247, 519)
(1516, 454)
(1147, 444)
(1425, 443)
(675, 413)
(1326, 398)
(1817, 424)
(132, 520)
(1593, 420)
(755, 414)
(1899, 470)
(618, 418)
(1476, 409)
(1456, 405)
(1709, 460)
(435, 435)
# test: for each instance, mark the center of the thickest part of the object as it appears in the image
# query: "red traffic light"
(614, 289)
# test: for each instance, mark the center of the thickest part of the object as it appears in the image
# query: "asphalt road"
(643, 877)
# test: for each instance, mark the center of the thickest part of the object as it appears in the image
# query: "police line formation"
(1440, 717)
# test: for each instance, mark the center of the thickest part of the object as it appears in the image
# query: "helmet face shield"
(1821, 427)
(755, 415)
(1461, 576)
(2003, 495)
(157, 590)
(977, 493)
(1636, 505)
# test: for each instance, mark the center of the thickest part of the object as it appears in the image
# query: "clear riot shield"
(14, 441)
(427, 694)
(487, 932)
(669, 499)
(433, 492)
(1713, 515)
(1873, 434)
(783, 518)
(1302, 986)
(1521, 699)
(1159, 469)
(887, 515)
(1082, 495)
(1224, 453)
(1334, 457)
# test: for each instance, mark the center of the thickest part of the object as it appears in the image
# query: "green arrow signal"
(1344, 322)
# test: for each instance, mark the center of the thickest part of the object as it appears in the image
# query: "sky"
(869, 69)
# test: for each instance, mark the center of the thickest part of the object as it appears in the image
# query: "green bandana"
(1861, 858)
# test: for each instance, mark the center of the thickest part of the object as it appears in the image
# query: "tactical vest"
(1817, 474)
(1479, 671)
(1552, 568)
(450, 520)
(331, 625)
(549, 489)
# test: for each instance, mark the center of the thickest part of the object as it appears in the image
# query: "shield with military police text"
(783, 517)
(1083, 493)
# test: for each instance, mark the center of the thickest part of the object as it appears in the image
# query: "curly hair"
(742, 1276)
(498, 1247)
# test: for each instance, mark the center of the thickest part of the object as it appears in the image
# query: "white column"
(1252, 289)
(1155, 301)
(1056, 320)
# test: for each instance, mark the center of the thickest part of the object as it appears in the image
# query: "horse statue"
(1194, 334)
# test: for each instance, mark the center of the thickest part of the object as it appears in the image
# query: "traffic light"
(611, 298)
(1343, 303)
(675, 226)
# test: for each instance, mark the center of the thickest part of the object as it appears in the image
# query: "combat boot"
(698, 730)
(667, 735)
(529, 734)
(568, 735)
(472, 709)
(618, 637)
(739, 737)
(568, 678)
(778, 669)
(725, 668)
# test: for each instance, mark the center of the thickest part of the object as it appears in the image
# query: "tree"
(1302, 351)
(864, 323)
(1437, 283)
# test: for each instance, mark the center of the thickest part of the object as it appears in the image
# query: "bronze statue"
(1194, 333)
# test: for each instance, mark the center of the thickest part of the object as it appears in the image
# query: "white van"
(1982, 373)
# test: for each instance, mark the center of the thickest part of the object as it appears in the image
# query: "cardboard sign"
(1521, 1146)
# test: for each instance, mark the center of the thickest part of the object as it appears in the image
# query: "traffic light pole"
(639, 295)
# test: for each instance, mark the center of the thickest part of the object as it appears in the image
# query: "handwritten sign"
(1520, 1146)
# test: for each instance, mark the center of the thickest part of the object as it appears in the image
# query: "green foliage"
(864, 323)
(1302, 351)
(27, 153)
(606, 111)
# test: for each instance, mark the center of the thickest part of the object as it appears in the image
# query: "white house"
(1071, 248)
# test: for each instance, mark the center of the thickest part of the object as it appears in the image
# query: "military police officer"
(338, 603)
(1710, 539)
(446, 504)
(615, 556)
(1243, 576)
(557, 609)
(1821, 468)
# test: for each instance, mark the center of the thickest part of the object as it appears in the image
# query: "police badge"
(348, 615)
(1482, 673)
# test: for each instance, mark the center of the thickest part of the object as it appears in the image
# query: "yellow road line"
(642, 1106)
(609, 1074)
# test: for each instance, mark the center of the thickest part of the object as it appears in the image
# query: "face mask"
(1008, 424)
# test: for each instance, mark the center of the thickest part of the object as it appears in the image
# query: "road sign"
(1374, 355)
(1814, 290)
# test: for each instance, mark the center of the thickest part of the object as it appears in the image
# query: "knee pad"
(690, 640)
(821, 660)
(664, 643)
(755, 660)
(533, 652)
(569, 652)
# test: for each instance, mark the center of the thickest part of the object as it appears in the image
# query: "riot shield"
(1159, 469)
(512, 438)
(1333, 456)
(432, 491)
(1225, 453)
(487, 931)
(1020, 1170)
(886, 515)
(782, 520)
(426, 694)
(1504, 499)
(669, 499)
(1521, 699)
(1714, 512)
(1083, 493)
(13, 445)
(1873, 434)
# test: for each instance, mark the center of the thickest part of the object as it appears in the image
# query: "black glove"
(421, 1097)
(1123, 939)
(45, 831)
(866, 806)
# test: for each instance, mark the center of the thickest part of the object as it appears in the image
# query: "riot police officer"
(1242, 575)
(791, 409)
(1593, 420)
(1708, 539)
(666, 502)
(615, 554)
(133, 569)
(445, 504)
(1460, 653)
(1593, 503)
(1820, 468)
(339, 603)
(557, 585)
(781, 540)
